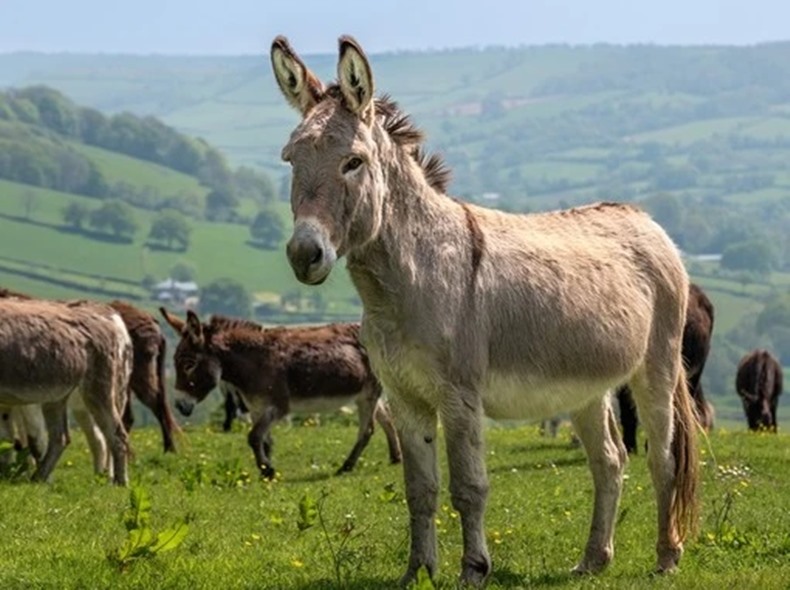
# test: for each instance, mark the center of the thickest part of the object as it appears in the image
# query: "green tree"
(666, 210)
(75, 214)
(251, 184)
(220, 203)
(226, 296)
(268, 229)
(171, 227)
(116, 217)
(183, 271)
(752, 255)
(775, 313)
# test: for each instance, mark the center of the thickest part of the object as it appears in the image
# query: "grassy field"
(245, 533)
(141, 174)
(40, 245)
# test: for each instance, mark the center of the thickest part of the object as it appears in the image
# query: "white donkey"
(470, 311)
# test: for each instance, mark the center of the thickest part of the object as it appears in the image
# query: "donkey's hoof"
(474, 573)
(344, 469)
(668, 560)
(593, 563)
(267, 472)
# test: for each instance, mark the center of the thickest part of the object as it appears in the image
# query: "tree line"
(34, 122)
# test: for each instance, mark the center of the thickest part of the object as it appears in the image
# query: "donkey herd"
(468, 312)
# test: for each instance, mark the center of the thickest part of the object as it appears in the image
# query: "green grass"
(243, 533)
(691, 132)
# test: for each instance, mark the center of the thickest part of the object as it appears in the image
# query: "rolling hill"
(700, 135)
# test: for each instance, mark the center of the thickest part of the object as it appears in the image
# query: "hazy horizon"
(246, 27)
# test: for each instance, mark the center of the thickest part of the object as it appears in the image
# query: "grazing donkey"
(759, 385)
(50, 349)
(697, 334)
(470, 311)
(147, 380)
(275, 371)
(148, 370)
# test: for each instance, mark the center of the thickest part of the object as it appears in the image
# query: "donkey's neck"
(241, 358)
(423, 234)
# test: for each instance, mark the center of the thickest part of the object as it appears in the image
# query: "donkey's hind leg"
(384, 418)
(366, 408)
(56, 418)
(596, 426)
(653, 389)
(106, 411)
(95, 438)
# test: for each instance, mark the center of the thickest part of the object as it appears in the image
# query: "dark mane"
(402, 130)
(222, 322)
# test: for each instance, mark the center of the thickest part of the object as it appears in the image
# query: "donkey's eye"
(352, 164)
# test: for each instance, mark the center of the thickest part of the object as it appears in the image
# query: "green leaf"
(140, 540)
(171, 538)
(139, 512)
(308, 512)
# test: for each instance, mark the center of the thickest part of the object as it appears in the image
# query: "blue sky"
(247, 26)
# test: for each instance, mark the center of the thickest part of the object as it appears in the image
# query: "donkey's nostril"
(318, 254)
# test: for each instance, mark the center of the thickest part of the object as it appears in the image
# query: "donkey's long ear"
(175, 322)
(302, 89)
(194, 330)
(355, 78)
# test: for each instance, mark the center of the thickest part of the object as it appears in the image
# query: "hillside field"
(245, 533)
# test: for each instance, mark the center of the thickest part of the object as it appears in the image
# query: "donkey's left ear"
(355, 78)
(194, 330)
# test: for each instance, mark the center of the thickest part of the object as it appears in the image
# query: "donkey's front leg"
(416, 424)
(462, 418)
(260, 439)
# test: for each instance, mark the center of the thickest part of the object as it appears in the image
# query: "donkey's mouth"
(185, 407)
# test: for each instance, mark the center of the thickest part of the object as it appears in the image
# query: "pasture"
(309, 529)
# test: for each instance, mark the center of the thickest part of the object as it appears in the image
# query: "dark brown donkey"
(148, 372)
(697, 334)
(759, 384)
(278, 370)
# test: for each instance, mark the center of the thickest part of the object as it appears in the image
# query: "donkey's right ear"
(175, 322)
(194, 329)
(302, 88)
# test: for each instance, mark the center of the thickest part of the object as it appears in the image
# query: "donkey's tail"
(167, 415)
(685, 501)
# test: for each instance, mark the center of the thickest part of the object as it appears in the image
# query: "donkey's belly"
(507, 397)
(14, 396)
(320, 404)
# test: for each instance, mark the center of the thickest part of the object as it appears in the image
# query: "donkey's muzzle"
(185, 407)
(310, 253)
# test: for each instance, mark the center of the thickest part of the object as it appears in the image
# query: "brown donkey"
(471, 312)
(278, 370)
(147, 381)
(758, 383)
(148, 370)
(52, 351)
